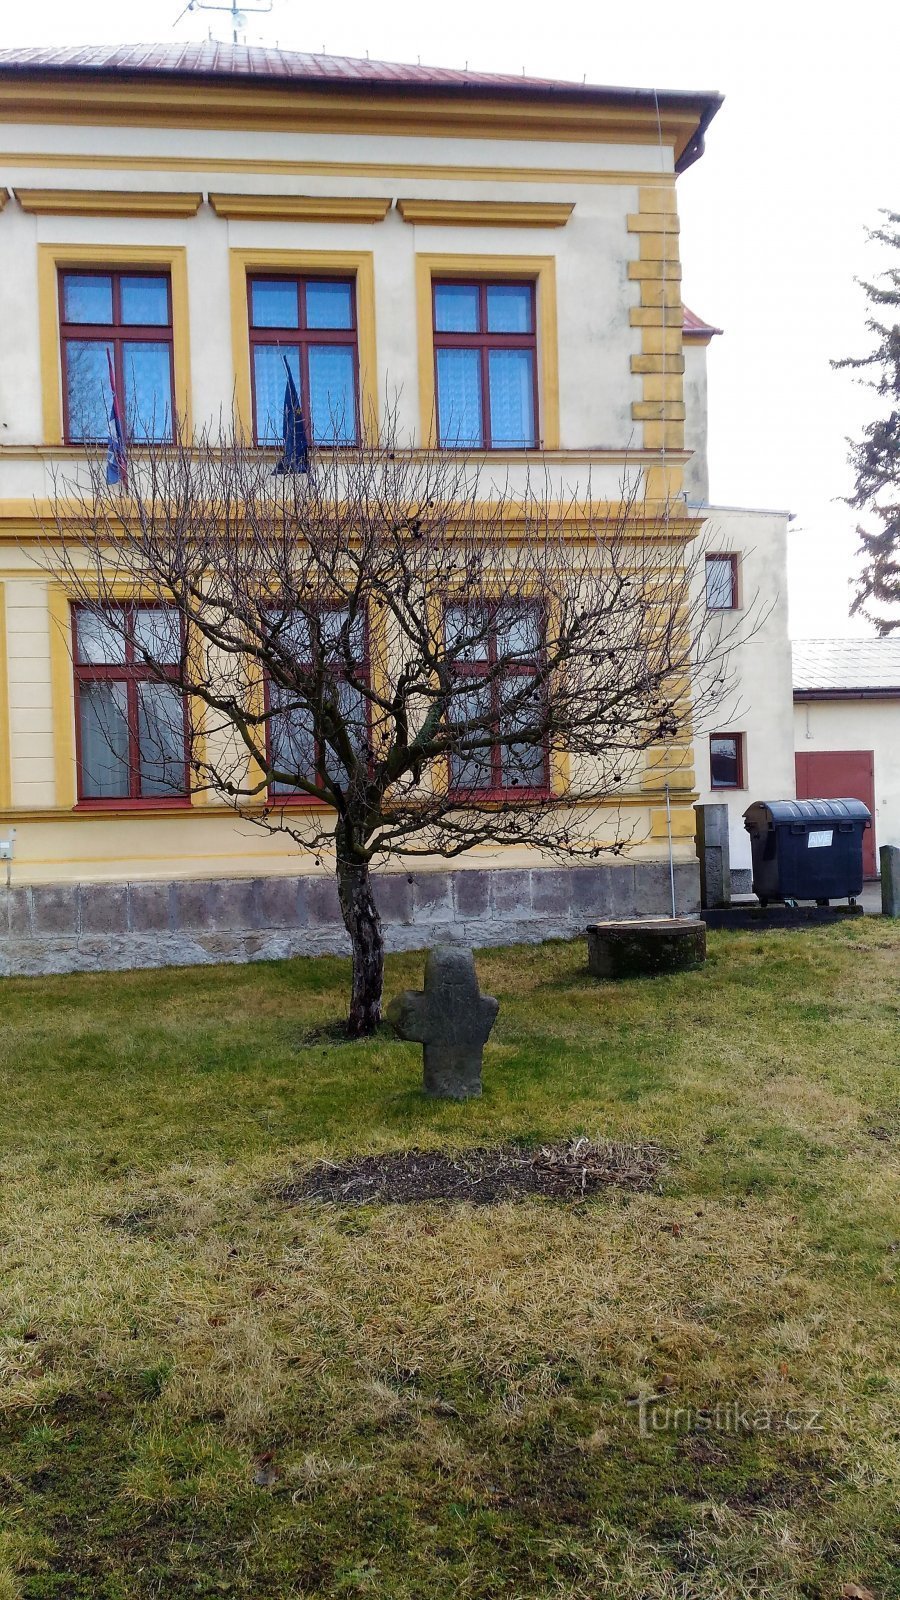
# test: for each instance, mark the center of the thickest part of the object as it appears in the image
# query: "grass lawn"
(208, 1392)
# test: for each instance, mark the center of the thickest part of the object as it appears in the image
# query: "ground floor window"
(131, 725)
(498, 650)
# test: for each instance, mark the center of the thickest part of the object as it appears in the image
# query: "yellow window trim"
(53, 257)
(543, 270)
(487, 213)
(62, 695)
(299, 208)
(350, 263)
(5, 776)
(107, 203)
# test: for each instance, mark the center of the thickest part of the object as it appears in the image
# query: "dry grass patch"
(205, 1391)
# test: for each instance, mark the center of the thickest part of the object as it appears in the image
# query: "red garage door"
(841, 775)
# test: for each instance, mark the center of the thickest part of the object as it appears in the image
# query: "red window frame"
(484, 342)
(117, 333)
(304, 336)
(130, 672)
(741, 768)
(526, 668)
(298, 797)
(722, 555)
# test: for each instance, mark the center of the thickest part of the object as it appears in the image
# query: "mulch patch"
(485, 1175)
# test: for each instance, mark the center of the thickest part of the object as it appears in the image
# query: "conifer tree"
(875, 458)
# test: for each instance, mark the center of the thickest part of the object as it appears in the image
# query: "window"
(308, 325)
(726, 761)
(485, 365)
(497, 651)
(721, 583)
(333, 638)
(125, 317)
(131, 728)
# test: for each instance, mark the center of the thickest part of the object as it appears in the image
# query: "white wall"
(758, 701)
(859, 725)
(696, 472)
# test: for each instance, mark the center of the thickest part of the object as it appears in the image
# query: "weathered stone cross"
(451, 1019)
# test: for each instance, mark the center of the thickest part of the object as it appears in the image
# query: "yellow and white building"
(174, 206)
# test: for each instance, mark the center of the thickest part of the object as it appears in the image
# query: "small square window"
(721, 583)
(726, 761)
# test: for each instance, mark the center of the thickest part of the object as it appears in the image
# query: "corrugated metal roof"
(691, 323)
(833, 665)
(258, 62)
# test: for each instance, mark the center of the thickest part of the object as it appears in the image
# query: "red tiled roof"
(691, 323)
(259, 62)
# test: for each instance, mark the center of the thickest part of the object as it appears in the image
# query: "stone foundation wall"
(99, 927)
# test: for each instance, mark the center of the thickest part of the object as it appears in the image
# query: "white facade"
(863, 724)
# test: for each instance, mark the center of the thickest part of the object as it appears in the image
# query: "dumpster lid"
(808, 811)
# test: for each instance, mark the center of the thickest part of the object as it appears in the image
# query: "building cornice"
(134, 99)
(486, 213)
(299, 208)
(108, 202)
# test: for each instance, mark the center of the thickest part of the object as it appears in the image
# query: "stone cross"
(451, 1018)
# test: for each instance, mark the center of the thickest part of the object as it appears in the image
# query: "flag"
(295, 452)
(116, 453)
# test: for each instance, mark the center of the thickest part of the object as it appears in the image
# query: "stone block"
(471, 893)
(281, 902)
(652, 890)
(103, 907)
(433, 897)
(393, 896)
(889, 859)
(714, 854)
(590, 891)
(149, 907)
(551, 891)
(323, 906)
(511, 893)
(201, 904)
(55, 908)
(18, 912)
(687, 888)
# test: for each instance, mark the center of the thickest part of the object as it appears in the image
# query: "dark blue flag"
(116, 452)
(295, 453)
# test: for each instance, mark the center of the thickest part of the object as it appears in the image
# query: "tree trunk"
(363, 924)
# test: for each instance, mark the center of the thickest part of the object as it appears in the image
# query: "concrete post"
(889, 855)
(715, 857)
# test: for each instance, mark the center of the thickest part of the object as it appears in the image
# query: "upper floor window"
(310, 324)
(721, 583)
(485, 359)
(726, 761)
(131, 728)
(497, 650)
(297, 749)
(124, 318)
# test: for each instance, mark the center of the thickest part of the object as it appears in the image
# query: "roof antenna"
(238, 14)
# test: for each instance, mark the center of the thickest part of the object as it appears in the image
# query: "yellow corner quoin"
(349, 263)
(299, 208)
(542, 270)
(62, 695)
(487, 213)
(4, 196)
(107, 203)
(51, 259)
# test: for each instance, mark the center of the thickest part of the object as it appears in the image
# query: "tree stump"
(646, 949)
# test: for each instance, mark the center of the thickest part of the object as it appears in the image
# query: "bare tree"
(382, 658)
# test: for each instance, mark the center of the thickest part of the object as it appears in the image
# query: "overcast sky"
(799, 161)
